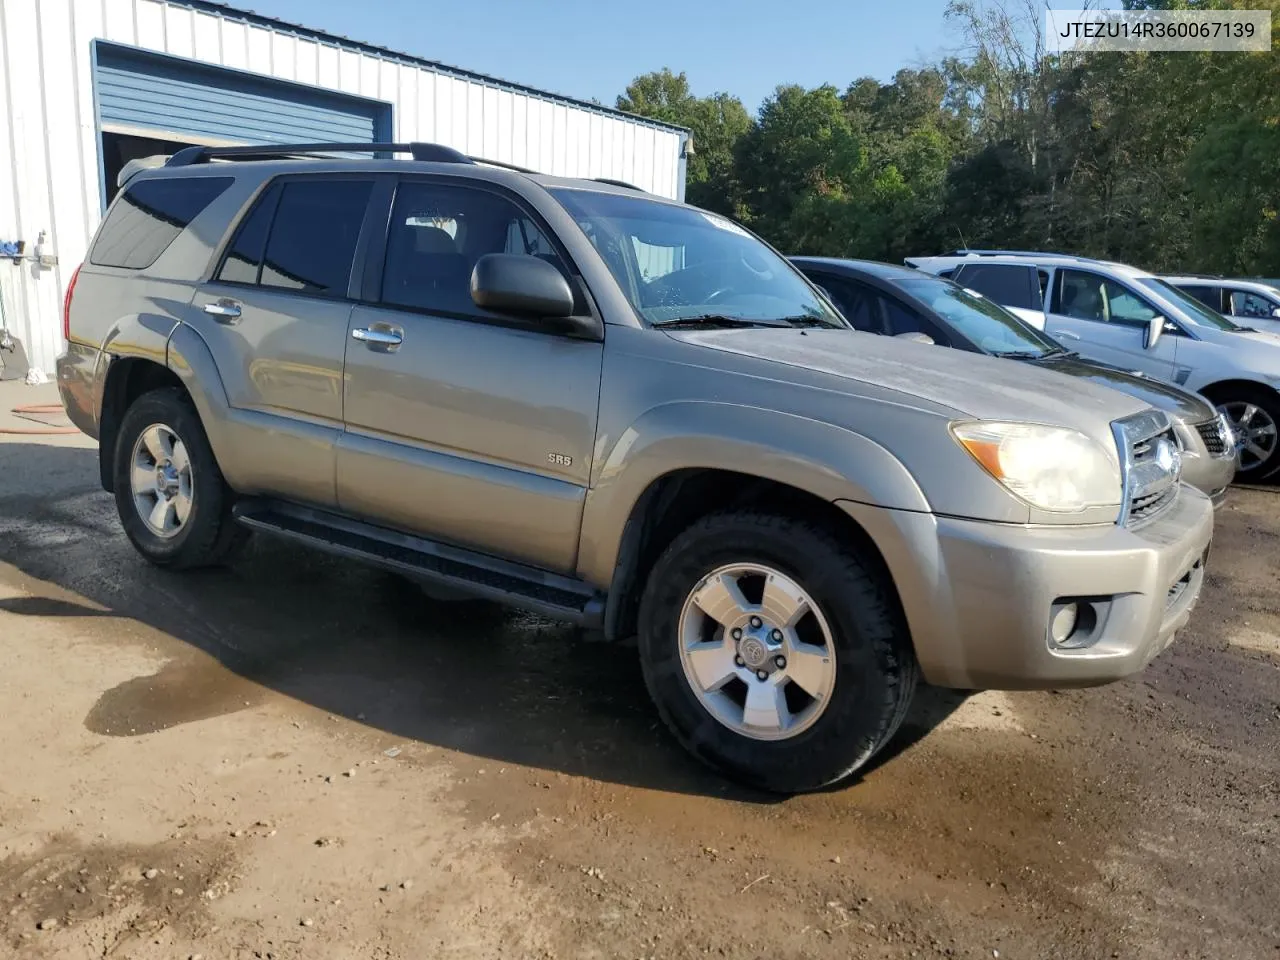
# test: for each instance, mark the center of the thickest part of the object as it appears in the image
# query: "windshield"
(676, 262)
(1194, 311)
(985, 323)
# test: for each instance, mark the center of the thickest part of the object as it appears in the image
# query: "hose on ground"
(38, 409)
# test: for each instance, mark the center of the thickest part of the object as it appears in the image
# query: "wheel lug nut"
(781, 662)
(738, 661)
(736, 633)
(755, 623)
(776, 636)
(761, 675)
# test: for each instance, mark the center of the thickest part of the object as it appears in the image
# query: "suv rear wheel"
(774, 651)
(173, 503)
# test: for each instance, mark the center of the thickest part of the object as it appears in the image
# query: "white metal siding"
(48, 125)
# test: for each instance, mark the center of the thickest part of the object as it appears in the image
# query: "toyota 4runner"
(628, 413)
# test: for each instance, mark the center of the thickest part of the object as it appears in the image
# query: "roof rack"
(430, 152)
(419, 151)
(1198, 276)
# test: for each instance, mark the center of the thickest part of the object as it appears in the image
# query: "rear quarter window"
(149, 217)
(1010, 285)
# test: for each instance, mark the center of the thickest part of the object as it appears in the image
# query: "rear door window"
(1008, 284)
(149, 217)
(312, 242)
(853, 300)
(243, 262)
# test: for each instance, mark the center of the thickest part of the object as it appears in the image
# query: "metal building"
(87, 85)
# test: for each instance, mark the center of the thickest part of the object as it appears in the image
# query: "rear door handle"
(1067, 334)
(224, 310)
(377, 338)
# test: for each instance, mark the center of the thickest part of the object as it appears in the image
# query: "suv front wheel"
(173, 503)
(774, 651)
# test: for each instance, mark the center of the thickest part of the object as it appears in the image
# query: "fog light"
(1062, 621)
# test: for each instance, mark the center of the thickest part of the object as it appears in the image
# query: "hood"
(974, 385)
(1183, 404)
(1260, 325)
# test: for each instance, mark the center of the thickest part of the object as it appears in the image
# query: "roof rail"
(618, 183)
(967, 252)
(1197, 276)
(419, 151)
(499, 163)
(432, 152)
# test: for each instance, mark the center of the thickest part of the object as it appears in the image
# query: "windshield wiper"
(1020, 355)
(1060, 352)
(804, 320)
(716, 320)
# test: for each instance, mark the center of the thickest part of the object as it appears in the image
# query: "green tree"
(716, 123)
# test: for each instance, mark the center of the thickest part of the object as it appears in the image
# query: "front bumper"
(1211, 475)
(978, 595)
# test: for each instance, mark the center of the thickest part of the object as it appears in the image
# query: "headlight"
(1053, 468)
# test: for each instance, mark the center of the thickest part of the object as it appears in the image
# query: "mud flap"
(13, 358)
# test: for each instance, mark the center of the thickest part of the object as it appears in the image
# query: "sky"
(586, 49)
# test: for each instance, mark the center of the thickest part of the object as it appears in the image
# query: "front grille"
(1148, 505)
(1151, 460)
(1211, 433)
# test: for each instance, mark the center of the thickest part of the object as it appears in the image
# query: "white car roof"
(1047, 260)
(1256, 286)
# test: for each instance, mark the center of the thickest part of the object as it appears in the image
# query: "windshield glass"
(1195, 311)
(676, 262)
(986, 324)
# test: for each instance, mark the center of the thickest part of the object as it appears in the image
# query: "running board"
(476, 574)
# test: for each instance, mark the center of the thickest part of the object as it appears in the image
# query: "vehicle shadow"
(352, 641)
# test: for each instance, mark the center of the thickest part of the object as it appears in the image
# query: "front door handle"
(1067, 334)
(224, 310)
(377, 338)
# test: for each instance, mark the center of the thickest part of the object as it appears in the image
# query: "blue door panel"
(149, 91)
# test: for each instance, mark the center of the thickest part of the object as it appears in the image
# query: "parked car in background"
(899, 301)
(1251, 303)
(1136, 320)
(627, 413)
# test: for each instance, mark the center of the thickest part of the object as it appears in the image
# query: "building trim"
(227, 12)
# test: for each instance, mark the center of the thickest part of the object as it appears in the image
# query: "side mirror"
(914, 336)
(1154, 331)
(1275, 313)
(521, 284)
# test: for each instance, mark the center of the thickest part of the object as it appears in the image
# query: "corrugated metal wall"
(48, 124)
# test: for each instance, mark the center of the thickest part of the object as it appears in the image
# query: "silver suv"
(1127, 317)
(628, 413)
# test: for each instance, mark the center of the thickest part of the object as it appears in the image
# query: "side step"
(468, 572)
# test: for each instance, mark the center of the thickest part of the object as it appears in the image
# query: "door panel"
(471, 429)
(1106, 321)
(275, 318)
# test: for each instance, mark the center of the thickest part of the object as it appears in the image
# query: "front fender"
(825, 460)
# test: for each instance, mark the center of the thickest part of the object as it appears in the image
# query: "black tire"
(210, 535)
(876, 670)
(1229, 401)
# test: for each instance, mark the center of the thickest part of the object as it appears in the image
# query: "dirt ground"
(301, 758)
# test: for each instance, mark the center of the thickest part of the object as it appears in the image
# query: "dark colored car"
(898, 301)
